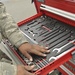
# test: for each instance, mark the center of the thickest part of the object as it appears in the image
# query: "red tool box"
(53, 26)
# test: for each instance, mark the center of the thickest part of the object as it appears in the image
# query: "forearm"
(12, 32)
(9, 29)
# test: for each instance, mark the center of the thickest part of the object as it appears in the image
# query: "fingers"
(44, 47)
(40, 50)
(37, 52)
(28, 56)
(43, 50)
(34, 49)
(24, 70)
(29, 68)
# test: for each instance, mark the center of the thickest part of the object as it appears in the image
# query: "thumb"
(29, 68)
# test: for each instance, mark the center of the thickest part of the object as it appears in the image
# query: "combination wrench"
(59, 49)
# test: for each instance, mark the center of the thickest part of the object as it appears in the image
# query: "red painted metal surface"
(66, 5)
(61, 4)
(55, 64)
(30, 19)
(70, 22)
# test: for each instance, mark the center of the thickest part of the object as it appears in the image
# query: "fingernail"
(48, 50)
(44, 55)
(33, 66)
(46, 47)
(31, 59)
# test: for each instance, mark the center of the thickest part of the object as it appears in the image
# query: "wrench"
(60, 55)
(59, 49)
(52, 58)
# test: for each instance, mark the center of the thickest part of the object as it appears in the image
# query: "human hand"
(24, 70)
(27, 48)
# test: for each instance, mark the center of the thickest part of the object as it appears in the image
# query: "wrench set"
(48, 32)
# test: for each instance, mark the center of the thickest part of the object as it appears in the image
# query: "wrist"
(25, 46)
